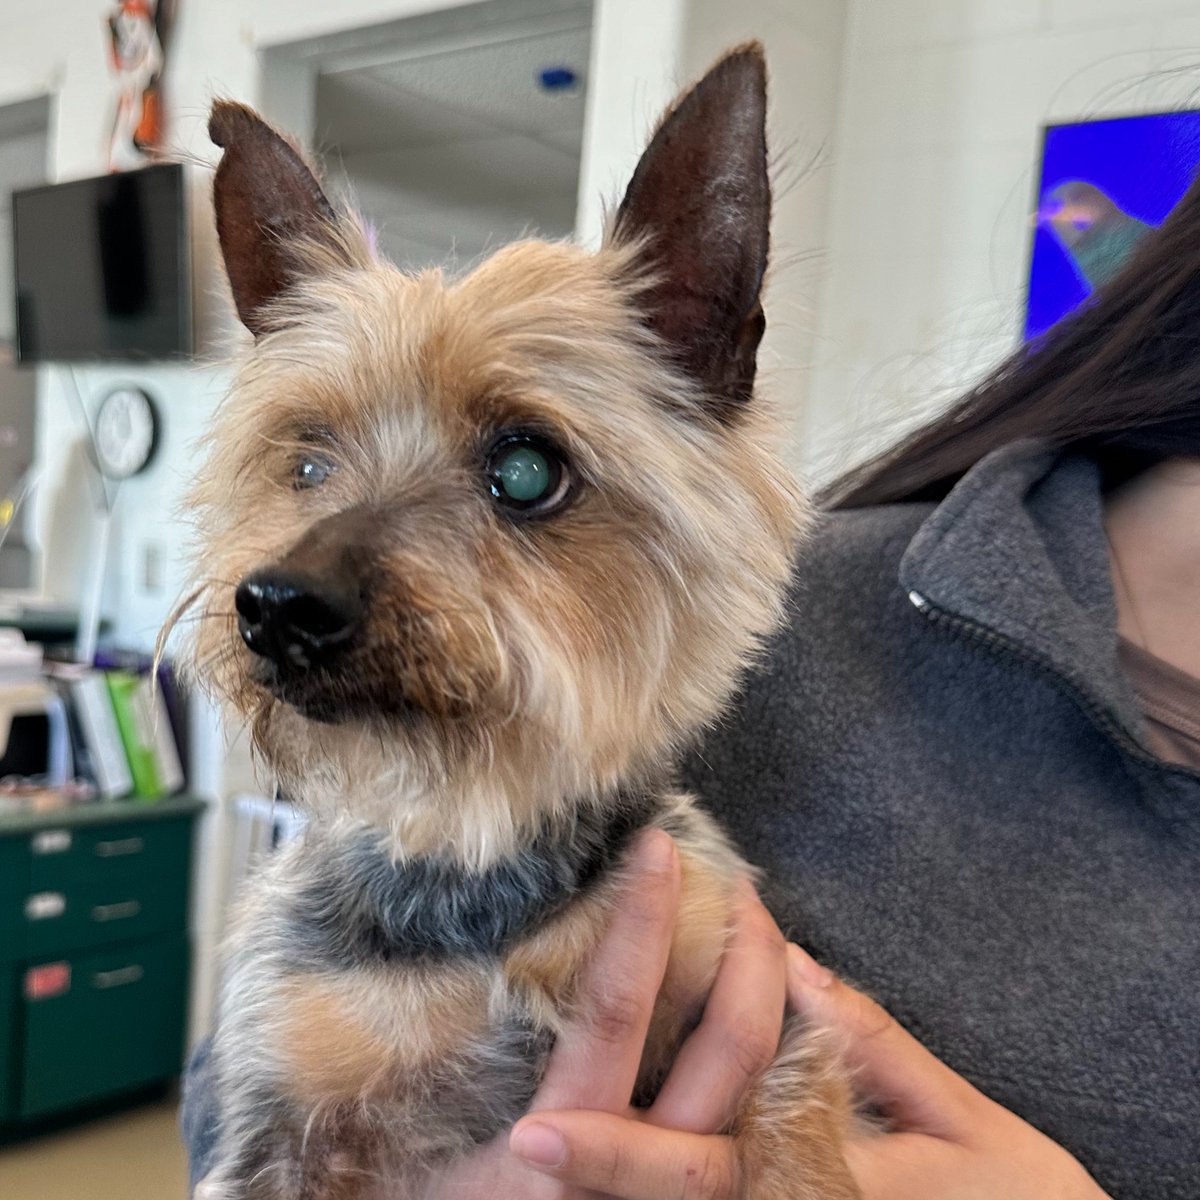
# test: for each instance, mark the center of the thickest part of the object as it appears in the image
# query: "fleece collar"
(1017, 552)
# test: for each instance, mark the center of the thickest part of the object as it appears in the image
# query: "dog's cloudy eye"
(312, 471)
(523, 474)
(527, 475)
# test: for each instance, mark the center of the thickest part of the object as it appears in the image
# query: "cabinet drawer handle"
(120, 848)
(45, 906)
(51, 841)
(116, 912)
(121, 977)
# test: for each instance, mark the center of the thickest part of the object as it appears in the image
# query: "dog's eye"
(312, 471)
(527, 475)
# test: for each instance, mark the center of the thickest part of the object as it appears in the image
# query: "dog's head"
(509, 536)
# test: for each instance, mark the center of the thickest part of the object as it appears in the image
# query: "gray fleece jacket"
(943, 774)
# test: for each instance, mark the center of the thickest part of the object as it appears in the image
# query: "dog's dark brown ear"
(266, 199)
(700, 200)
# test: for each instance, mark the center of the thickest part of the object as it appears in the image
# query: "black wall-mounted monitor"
(101, 268)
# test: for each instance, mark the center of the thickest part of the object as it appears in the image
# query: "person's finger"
(738, 1036)
(619, 1157)
(915, 1089)
(594, 1063)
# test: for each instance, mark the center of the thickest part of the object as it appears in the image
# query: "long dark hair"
(1120, 376)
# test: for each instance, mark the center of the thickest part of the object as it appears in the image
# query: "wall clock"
(126, 433)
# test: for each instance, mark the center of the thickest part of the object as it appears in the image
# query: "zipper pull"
(918, 602)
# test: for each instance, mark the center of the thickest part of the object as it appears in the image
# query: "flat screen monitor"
(1103, 185)
(100, 268)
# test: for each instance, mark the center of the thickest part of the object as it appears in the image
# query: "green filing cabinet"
(94, 954)
(8, 1031)
(14, 883)
(118, 1025)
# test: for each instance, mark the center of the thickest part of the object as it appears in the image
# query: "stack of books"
(127, 729)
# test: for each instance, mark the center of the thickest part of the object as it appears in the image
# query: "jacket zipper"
(1002, 646)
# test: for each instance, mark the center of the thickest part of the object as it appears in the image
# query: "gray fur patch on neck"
(364, 908)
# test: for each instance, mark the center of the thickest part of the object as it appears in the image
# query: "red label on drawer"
(54, 979)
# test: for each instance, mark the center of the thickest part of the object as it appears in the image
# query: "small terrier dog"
(477, 557)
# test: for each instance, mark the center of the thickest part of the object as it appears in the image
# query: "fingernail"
(806, 970)
(538, 1144)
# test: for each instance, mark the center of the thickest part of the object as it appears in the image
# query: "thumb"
(617, 1157)
(917, 1091)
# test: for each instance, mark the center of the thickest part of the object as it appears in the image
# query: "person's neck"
(1153, 527)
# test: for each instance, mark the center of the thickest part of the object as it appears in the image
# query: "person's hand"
(948, 1140)
(592, 1143)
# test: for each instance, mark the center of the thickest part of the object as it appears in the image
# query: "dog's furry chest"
(405, 1033)
(376, 1019)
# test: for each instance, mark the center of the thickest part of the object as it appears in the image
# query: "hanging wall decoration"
(139, 30)
(1104, 185)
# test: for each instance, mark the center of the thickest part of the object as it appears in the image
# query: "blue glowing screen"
(1103, 185)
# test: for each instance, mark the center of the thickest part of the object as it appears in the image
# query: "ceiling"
(455, 149)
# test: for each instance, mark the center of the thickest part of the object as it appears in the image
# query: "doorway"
(23, 157)
(453, 132)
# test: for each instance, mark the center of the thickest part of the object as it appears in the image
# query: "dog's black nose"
(294, 620)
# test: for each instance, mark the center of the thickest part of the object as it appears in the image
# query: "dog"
(477, 558)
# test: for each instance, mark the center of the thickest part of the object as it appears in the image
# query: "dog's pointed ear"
(266, 201)
(700, 202)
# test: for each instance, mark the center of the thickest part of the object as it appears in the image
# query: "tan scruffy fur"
(478, 695)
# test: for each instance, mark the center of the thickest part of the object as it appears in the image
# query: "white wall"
(648, 53)
(635, 69)
(933, 164)
(804, 52)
